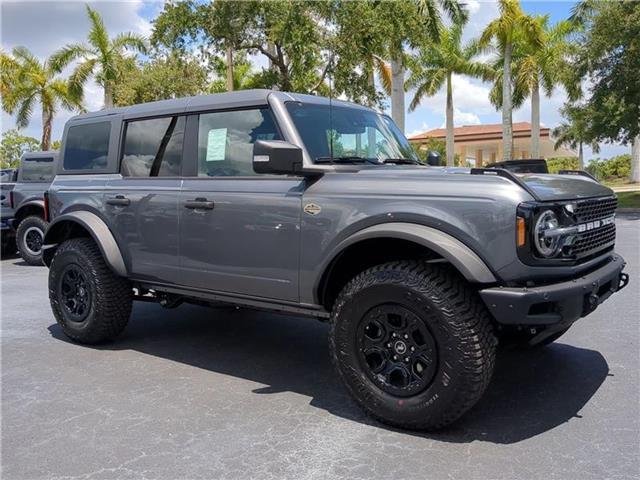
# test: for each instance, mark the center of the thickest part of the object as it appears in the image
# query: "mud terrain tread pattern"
(113, 295)
(30, 221)
(462, 309)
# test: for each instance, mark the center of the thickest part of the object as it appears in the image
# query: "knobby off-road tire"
(29, 238)
(461, 346)
(91, 304)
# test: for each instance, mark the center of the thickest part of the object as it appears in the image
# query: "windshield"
(38, 169)
(349, 133)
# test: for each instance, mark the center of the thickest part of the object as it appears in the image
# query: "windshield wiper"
(345, 159)
(401, 161)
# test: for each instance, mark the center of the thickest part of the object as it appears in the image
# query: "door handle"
(199, 204)
(119, 200)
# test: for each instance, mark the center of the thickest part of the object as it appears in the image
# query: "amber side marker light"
(521, 231)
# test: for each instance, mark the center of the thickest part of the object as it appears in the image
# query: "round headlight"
(547, 246)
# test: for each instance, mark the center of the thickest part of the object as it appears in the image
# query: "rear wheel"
(30, 237)
(413, 344)
(91, 304)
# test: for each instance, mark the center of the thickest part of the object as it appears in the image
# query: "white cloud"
(423, 128)
(45, 26)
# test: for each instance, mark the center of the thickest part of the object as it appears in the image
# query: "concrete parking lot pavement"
(219, 393)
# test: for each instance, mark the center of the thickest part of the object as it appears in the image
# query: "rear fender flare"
(95, 226)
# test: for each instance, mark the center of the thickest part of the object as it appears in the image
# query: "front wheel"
(91, 303)
(413, 343)
(29, 237)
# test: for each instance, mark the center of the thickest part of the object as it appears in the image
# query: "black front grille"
(590, 242)
(593, 209)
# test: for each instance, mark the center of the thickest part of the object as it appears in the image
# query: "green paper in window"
(216, 144)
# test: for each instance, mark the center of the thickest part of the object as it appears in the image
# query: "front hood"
(564, 187)
(546, 187)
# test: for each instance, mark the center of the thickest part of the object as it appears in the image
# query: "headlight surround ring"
(546, 246)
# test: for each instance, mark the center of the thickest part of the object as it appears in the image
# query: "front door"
(239, 231)
(142, 202)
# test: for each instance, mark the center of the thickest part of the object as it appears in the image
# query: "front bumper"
(6, 224)
(557, 303)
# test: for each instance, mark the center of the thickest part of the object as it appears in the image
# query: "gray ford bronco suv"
(297, 204)
(35, 174)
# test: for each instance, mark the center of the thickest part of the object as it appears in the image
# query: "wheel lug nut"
(413, 349)
(406, 359)
(388, 345)
(393, 335)
(395, 357)
(406, 336)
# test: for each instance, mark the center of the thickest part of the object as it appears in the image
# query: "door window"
(153, 148)
(225, 141)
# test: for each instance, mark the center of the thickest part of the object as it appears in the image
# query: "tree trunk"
(108, 95)
(47, 120)
(271, 48)
(580, 157)
(535, 121)
(371, 131)
(635, 159)
(449, 121)
(397, 91)
(229, 69)
(507, 128)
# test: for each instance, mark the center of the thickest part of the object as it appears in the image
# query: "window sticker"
(216, 144)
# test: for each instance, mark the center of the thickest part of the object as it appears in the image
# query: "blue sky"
(31, 23)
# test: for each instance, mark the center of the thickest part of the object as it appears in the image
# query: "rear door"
(142, 200)
(239, 231)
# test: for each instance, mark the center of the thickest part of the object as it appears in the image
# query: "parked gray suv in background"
(299, 204)
(35, 174)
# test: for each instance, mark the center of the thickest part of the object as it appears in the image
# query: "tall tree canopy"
(100, 56)
(29, 81)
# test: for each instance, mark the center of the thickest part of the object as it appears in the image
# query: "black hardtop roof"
(238, 99)
(45, 153)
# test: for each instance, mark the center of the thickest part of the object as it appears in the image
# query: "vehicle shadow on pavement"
(531, 392)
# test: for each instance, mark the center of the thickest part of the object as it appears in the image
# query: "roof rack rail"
(579, 173)
(501, 172)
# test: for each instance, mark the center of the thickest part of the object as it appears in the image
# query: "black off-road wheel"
(29, 238)
(413, 344)
(91, 303)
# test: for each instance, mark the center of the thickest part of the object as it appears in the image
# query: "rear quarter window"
(87, 146)
(39, 169)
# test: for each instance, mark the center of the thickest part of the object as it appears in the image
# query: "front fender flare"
(30, 203)
(465, 260)
(56, 233)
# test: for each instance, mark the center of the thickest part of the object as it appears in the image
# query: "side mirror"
(277, 157)
(433, 159)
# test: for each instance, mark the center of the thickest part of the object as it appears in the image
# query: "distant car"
(35, 174)
(530, 165)
(7, 183)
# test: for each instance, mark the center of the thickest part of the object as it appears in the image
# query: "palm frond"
(80, 76)
(23, 115)
(383, 69)
(98, 35)
(131, 41)
(67, 54)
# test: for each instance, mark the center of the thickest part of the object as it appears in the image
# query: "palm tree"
(512, 23)
(574, 133)
(99, 56)
(542, 67)
(401, 31)
(436, 64)
(35, 81)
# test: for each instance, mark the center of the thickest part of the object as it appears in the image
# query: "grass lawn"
(616, 182)
(628, 199)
